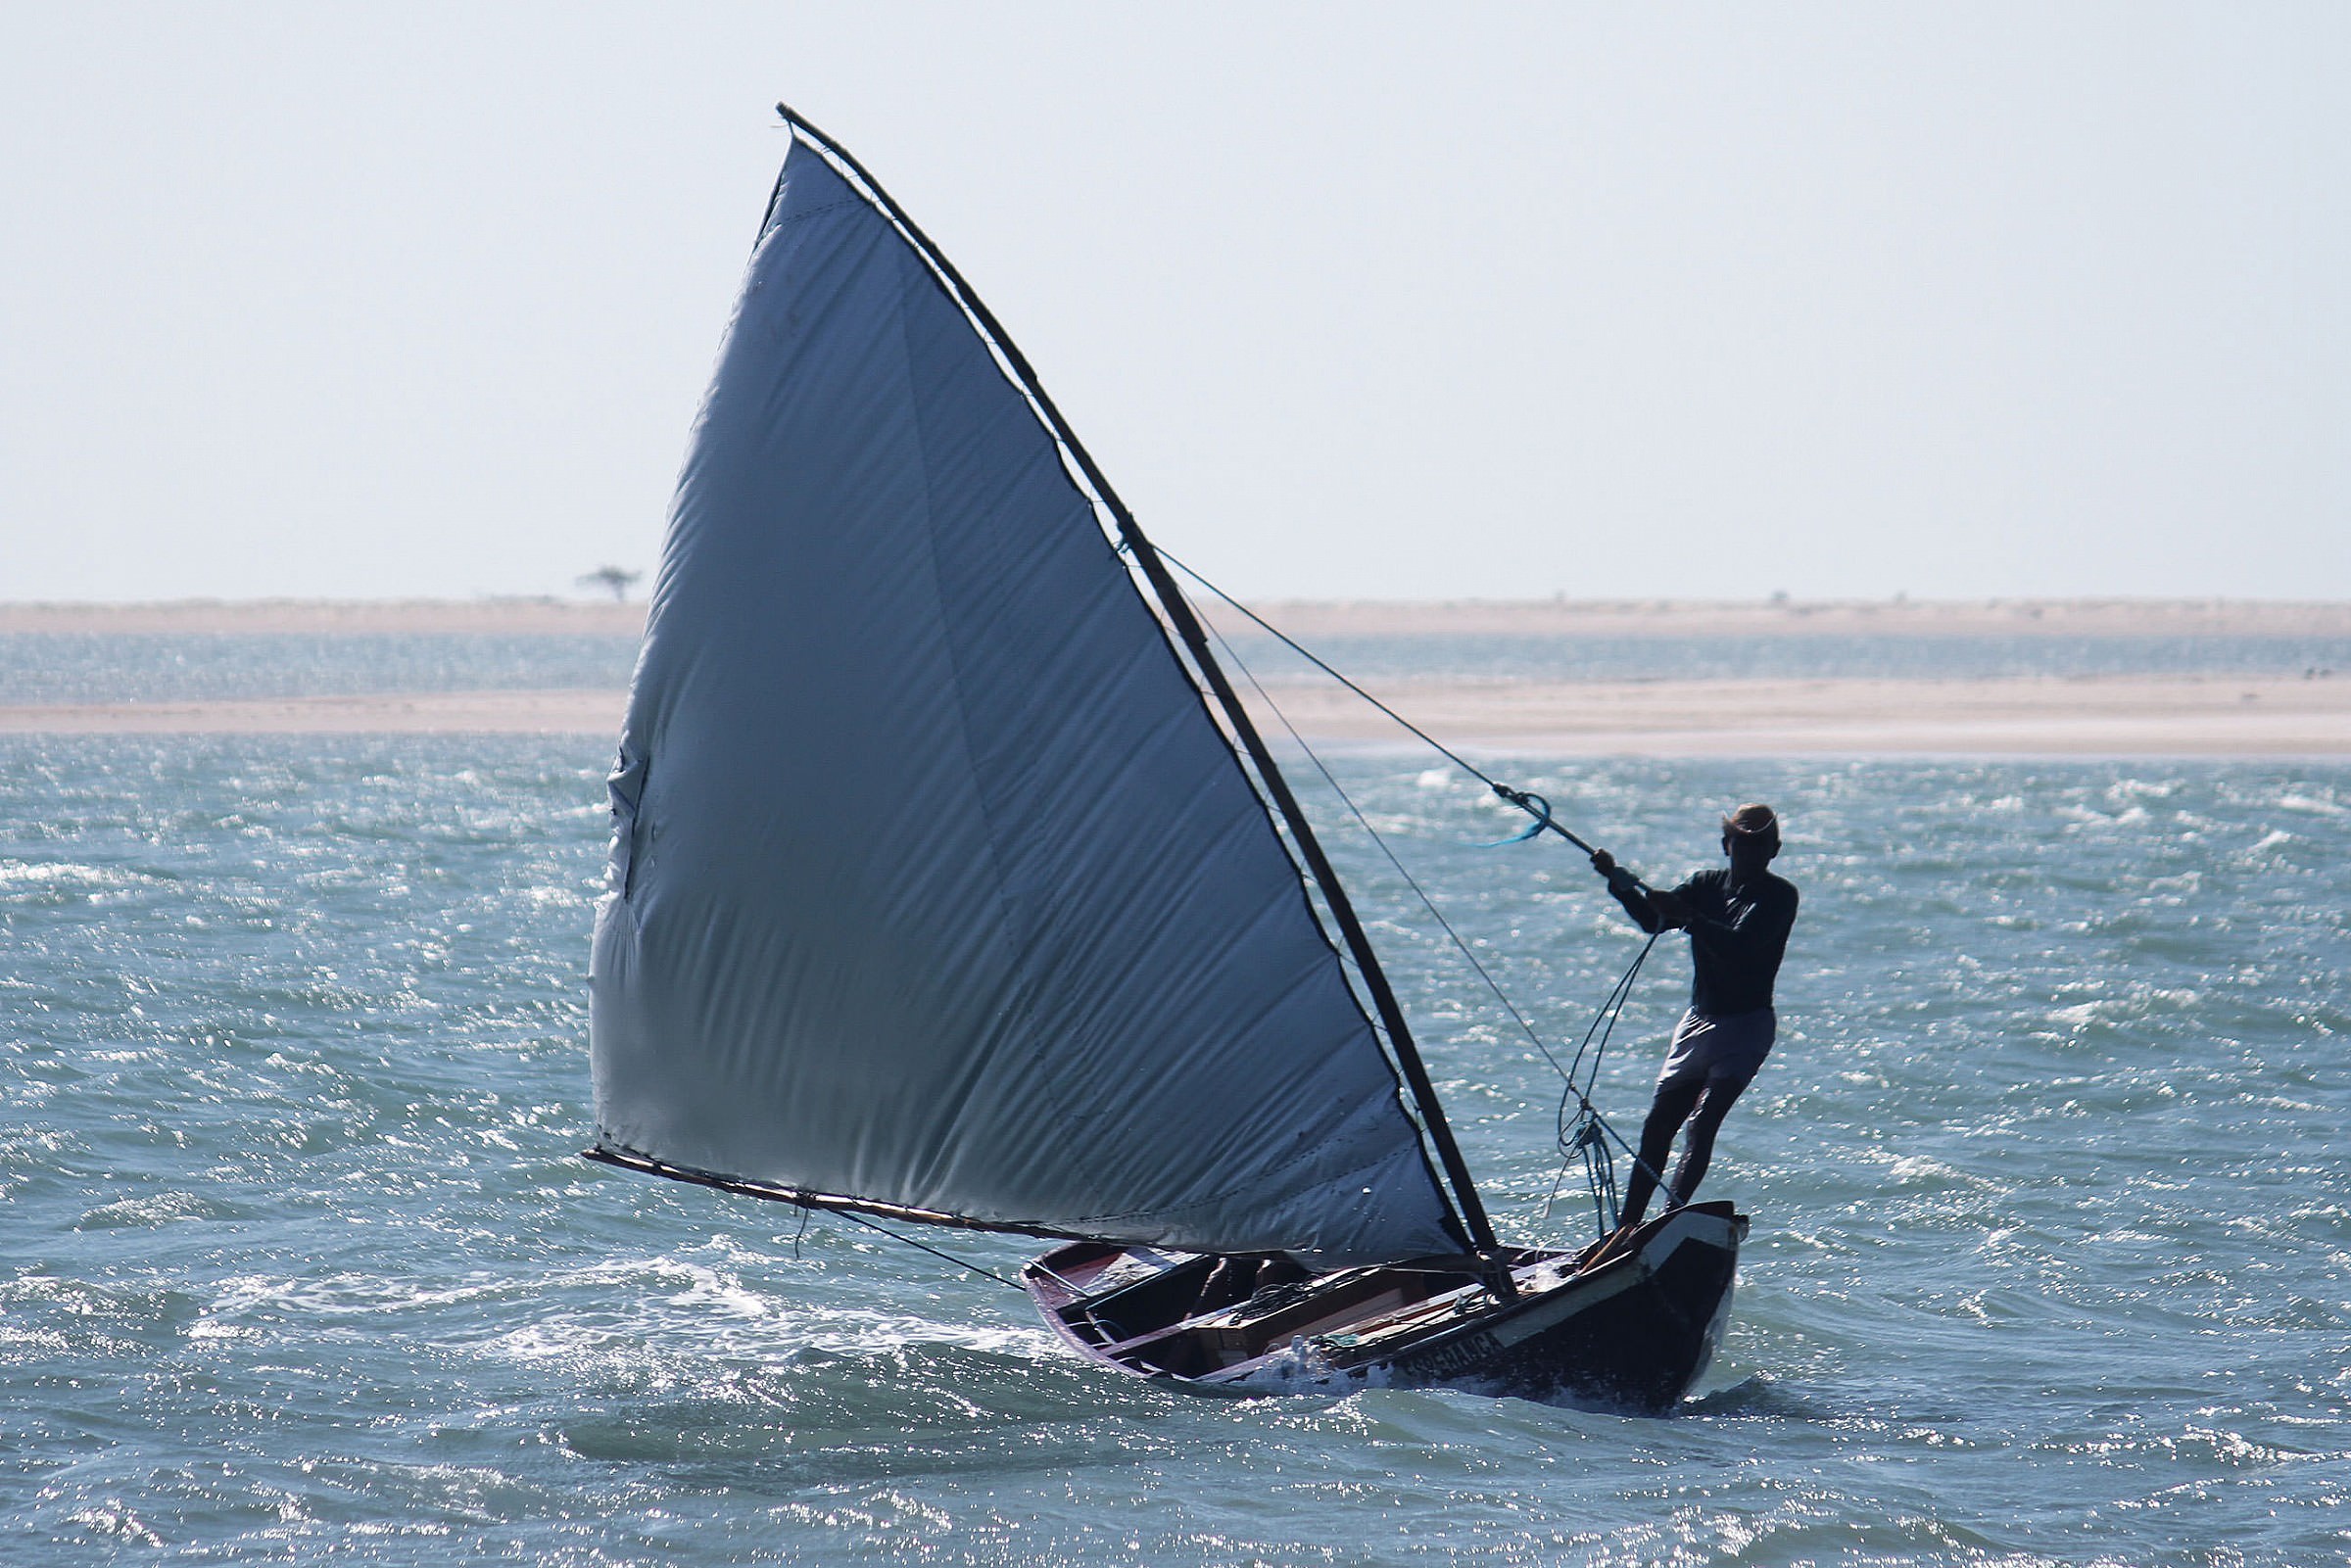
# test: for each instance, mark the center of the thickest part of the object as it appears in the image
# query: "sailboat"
(951, 883)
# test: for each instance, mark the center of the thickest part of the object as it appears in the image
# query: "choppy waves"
(2048, 1264)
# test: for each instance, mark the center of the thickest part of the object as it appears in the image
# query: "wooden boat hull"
(1631, 1333)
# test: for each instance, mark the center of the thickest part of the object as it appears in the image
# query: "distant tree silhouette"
(618, 579)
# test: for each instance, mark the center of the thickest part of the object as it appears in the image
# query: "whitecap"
(113, 1518)
(2293, 800)
(64, 876)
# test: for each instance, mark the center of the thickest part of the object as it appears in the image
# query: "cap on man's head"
(1753, 821)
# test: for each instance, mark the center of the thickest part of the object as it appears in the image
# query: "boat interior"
(1205, 1316)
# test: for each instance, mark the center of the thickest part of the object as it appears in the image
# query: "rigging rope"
(1532, 804)
(1419, 891)
(1590, 1131)
(987, 1274)
(1584, 1135)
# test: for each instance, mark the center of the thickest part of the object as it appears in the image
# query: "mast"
(1188, 625)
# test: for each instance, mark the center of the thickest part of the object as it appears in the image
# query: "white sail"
(933, 885)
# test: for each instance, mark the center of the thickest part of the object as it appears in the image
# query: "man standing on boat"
(1737, 920)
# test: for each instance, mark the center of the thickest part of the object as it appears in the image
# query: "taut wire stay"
(1586, 1134)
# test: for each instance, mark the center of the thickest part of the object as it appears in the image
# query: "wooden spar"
(1195, 641)
(647, 1165)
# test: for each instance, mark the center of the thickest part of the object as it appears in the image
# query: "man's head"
(1750, 836)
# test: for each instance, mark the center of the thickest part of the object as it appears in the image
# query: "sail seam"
(782, 223)
(1021, 940)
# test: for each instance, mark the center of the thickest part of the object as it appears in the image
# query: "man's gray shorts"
(1721, 1049)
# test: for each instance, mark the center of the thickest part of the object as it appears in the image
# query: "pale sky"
(1369, 301)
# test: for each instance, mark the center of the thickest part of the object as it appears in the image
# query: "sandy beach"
(2137, 715)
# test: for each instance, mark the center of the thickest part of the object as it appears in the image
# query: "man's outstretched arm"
(1651, 911)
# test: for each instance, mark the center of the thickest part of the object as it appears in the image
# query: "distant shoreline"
(2134, 715)
(1305, 619)
(495, 617)
(2151, 716)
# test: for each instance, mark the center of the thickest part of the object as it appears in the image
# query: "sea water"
(2050, 1262)
(43, 667)
(51, 667)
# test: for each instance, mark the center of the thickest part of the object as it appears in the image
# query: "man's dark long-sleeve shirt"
(1737, 936)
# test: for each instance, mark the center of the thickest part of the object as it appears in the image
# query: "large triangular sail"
(935, 889)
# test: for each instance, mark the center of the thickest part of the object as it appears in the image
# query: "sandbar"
(2009, 716)
(2210, 716)
(2136, 715)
